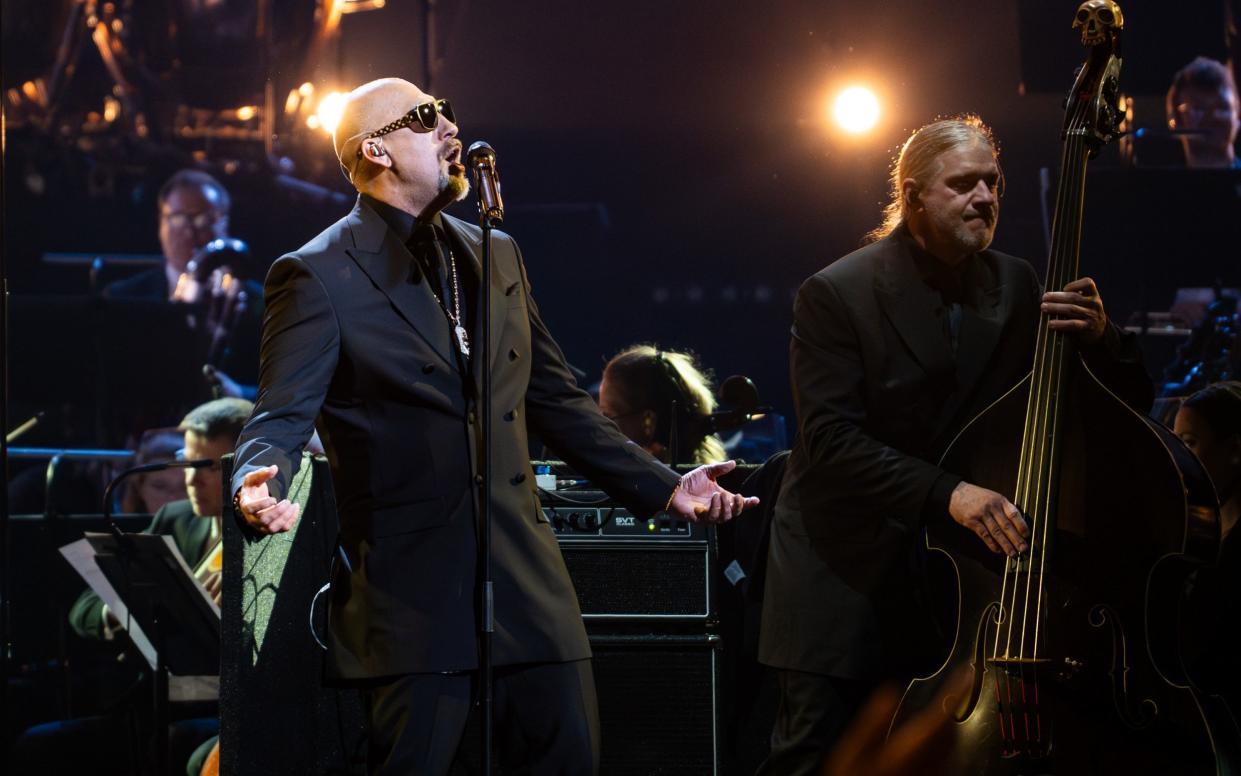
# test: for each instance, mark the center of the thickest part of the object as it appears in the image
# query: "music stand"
(175, 617)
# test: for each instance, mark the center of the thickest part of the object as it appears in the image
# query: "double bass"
(1076, 649)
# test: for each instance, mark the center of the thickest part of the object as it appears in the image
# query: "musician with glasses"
(201, 267)
(1202, 102)
(193, 211)
(372, 333)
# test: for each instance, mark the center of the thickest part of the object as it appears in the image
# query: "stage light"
(329, 111)
(856, 110)
(357, 6)
(247, 112)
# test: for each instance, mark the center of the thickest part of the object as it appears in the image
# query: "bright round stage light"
(856, 110)
(329, 111)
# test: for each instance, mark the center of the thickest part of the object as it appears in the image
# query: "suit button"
(519, 479)
(478, 479)
(470, 416)
(510, 415)
(428, 368)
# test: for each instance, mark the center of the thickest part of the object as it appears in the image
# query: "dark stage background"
(670, 168)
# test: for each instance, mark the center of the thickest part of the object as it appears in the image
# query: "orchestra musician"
(101, 744)
(1202, 103)
(662, 400)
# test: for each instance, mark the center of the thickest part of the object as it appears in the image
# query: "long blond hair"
(648, 378)
(918, 158)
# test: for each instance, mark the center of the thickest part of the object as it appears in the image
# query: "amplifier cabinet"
(646, 589)
(626, 568)
(659, 708)
(650, 581)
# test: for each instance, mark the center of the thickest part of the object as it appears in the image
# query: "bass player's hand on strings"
(992, 517)
(1078, 309)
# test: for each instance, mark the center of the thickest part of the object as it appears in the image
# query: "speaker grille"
(644, 581)
(656, 707)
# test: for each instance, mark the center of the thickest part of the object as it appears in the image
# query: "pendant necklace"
(463, 339)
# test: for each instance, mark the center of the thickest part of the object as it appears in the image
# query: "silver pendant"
(463, 341)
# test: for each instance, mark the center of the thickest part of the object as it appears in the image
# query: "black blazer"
(351, 336)
(880, 395)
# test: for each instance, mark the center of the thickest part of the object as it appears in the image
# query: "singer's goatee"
(455, 182)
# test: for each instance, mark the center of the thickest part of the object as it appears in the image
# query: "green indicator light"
(650, 525)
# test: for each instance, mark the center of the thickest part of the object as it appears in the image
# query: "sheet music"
(81, 555)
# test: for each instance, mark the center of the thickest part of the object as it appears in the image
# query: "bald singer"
(372, 334)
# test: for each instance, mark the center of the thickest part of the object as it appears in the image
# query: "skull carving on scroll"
(1096, 18)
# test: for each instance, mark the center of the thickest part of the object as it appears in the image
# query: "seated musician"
(102, 744)
(193, 222)
(1209, 422)
(211, 430)
(661, 399)
(894, 348)
(147, 493)
(1202, 102)
(193, 211)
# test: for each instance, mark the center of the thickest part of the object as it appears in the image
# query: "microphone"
(158, 466)
(740, 396)
(481, 158)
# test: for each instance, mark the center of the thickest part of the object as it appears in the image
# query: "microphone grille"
(480, 153)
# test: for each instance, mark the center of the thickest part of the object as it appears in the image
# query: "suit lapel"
(913, 309)
(981, 328)
(470, 238)
(386, 261)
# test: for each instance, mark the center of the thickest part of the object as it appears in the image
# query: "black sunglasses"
(427, 115)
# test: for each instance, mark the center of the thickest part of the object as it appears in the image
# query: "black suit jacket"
(353, 337)
(175, 519)
(879, 395)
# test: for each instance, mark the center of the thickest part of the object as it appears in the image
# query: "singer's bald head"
(411, 166)
(367, 108)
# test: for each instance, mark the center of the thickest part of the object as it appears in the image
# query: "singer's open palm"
(700, 497)
(260, 509)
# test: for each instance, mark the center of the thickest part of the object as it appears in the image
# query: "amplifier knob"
(584, 521)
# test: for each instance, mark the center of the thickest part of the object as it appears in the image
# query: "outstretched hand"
(700, 498)
(260, 509)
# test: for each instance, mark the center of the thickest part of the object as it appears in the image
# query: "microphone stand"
(481, 160)
(486, 680)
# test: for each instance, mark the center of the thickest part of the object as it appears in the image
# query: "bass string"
(1062, 271)
(1050, 369)
(1037, 466)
